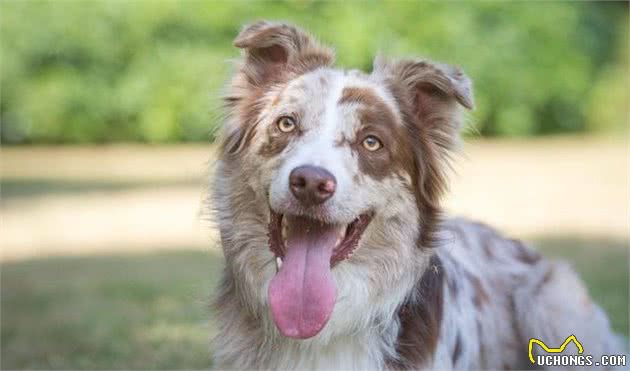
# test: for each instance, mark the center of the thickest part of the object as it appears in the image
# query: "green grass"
(119, 312)
(150, 311)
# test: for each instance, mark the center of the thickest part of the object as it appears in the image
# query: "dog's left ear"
(433, 92)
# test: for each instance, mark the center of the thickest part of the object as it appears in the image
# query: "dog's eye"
(372, 143)
(286, 124)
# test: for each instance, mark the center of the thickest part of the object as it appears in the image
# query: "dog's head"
(325, 163)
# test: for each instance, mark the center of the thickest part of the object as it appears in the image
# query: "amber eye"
(372, 143)
(286, 124)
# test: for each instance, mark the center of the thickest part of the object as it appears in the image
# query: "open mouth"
(346, 241)
(302, 294)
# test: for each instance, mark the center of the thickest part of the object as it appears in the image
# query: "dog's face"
(337, 162)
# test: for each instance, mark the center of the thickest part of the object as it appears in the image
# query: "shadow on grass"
(24, 188)
(150, 311)
(145, 311)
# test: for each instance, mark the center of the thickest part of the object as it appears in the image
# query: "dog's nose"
(312, 185)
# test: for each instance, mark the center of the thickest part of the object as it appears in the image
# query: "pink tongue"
(302, 294)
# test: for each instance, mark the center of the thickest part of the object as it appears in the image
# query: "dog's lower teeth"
(278, 263)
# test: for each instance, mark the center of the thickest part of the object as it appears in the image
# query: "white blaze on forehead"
(333, 122)
(322, 129)
(320, 140)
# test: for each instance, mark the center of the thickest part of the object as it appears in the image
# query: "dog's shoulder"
(482, 270)
(478, 245)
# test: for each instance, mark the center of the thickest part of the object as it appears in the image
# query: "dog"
(327, 196)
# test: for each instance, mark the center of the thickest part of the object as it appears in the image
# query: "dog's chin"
(302, 294)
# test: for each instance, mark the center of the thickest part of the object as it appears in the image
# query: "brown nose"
(312, 185)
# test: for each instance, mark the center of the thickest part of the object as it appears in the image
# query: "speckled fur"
(486, 294)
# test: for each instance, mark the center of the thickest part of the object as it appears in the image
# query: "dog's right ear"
(275, 51)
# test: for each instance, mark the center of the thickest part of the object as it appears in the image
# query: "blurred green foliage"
(152, 71)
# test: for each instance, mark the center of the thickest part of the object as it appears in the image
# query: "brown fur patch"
(452, 285)
(361, 95)
(546, 278)
(420, 320)
(486, 244)
(487, 248)
(277, 141)
(526, 254)
(377, 118)
(481, 297)
(457, 350)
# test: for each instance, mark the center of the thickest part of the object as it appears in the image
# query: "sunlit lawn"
(151, 311)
